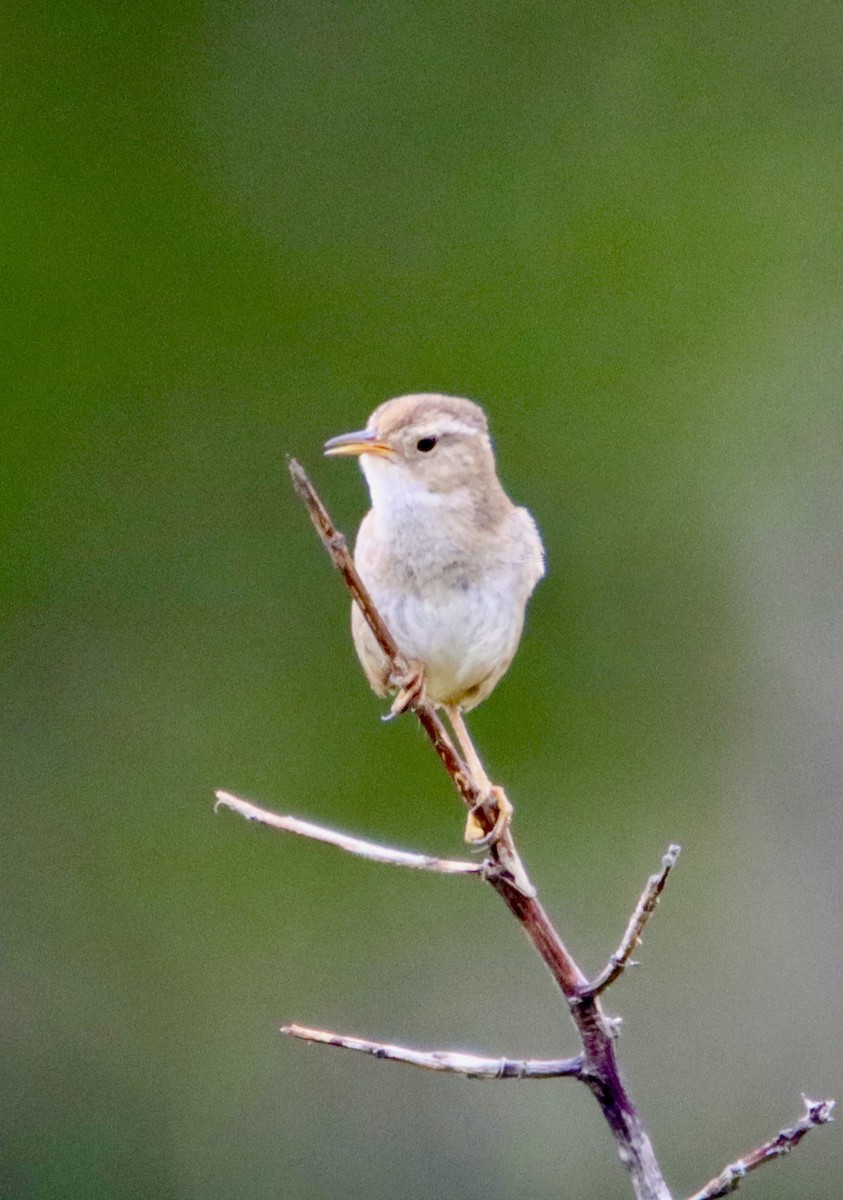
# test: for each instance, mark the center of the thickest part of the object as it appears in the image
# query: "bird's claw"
(412, 688)
(475, 834)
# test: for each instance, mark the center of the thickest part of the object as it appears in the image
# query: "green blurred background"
(229, 230)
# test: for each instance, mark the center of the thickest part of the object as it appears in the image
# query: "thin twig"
(644, 909)
(469, 1065)
(817, 1112)
(337, 547)
(352, 845)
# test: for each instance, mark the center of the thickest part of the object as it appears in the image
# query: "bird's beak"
(362, 442)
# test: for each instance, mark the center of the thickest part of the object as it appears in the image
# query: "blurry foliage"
(229, 231)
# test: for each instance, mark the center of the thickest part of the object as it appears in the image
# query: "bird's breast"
(453, 596)
(464, 631)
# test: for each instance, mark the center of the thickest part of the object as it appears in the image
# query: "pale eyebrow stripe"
(460, 427)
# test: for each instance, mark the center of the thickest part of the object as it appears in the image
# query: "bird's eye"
(426, 444)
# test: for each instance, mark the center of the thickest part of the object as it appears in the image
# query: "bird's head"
(426, 442)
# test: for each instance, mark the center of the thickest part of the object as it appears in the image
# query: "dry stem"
(469, 1065)
(352, 845)
(644, 909)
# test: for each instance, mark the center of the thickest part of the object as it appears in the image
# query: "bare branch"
(505, 873)
(469, 1065)
(598, 1065)
(644, 909)
(817, 1112)
(352, 845)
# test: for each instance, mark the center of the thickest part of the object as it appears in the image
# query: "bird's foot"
(497, 802)
(412, 688)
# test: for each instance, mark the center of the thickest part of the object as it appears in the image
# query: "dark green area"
(229, 231)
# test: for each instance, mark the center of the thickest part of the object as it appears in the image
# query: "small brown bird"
(449, 560)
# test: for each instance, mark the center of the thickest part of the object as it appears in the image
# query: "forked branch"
(597, 1064)
(505, 872)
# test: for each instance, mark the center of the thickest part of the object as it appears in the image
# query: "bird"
(449, 560)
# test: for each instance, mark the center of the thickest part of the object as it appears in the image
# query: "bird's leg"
(473, 830)
(472, 759)
(411, 689)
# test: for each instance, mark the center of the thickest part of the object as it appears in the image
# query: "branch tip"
(817, 1112)
(644, 909)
